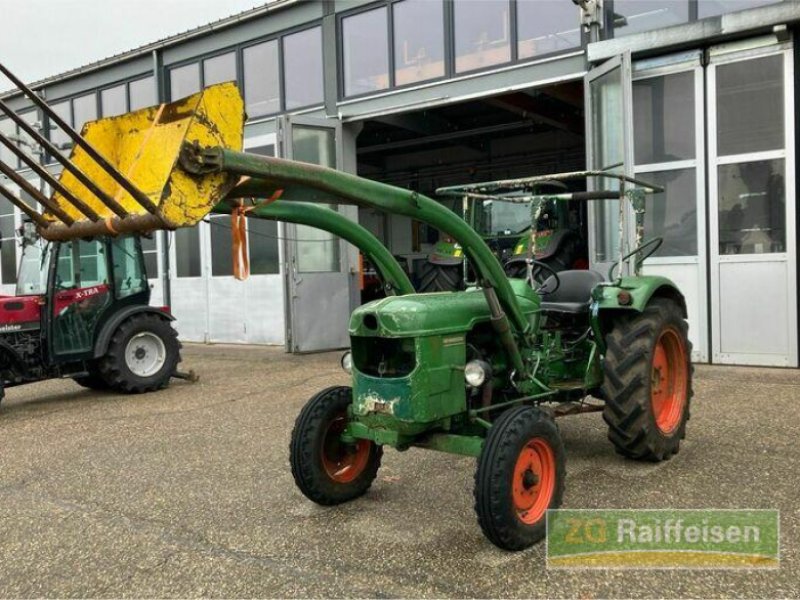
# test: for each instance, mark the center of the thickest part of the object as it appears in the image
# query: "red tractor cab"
(81, 310)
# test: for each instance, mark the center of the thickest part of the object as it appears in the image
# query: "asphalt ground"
(187, 492)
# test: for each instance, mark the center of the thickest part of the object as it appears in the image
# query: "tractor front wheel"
(142, 355)
(648, 382)
(520, 475)
(326, 469)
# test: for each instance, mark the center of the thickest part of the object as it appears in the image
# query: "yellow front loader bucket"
(121, 175)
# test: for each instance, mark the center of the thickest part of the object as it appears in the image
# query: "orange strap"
(241, 262)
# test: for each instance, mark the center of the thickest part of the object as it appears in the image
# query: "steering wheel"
(539, 268)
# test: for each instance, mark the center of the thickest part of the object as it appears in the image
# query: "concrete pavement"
(187, 492)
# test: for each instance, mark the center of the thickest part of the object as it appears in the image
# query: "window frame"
(448, 29)
(127, 83)
(238, 51)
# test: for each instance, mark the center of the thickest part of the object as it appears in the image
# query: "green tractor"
(484, 372)
(481, 372)
(504, 223)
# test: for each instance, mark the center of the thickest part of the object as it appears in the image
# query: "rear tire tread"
(112, 366)
(626, 386)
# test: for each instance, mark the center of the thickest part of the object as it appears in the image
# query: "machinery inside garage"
(516, 134)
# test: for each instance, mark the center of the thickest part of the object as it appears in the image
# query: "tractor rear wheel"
(327, 470)
(92, 380)
(648, 382)
(441, 278)
(142, 355)
(520, 475)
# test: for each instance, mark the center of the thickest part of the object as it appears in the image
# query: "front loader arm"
(313, 183)
(304, 213)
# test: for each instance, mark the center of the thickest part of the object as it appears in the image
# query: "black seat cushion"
(574, 295)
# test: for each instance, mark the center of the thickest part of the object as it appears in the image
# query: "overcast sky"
(39, 38)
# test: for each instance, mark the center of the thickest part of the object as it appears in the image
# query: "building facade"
(694, 95)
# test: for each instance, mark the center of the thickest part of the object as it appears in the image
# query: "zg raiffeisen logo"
(663, 539)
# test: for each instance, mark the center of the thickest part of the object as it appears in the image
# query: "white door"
(209, 303)
(669, 151)
(258, 317)
(318, 273)
(753, 246)
(609, 147)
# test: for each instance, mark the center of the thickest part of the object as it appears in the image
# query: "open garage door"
(609, 147)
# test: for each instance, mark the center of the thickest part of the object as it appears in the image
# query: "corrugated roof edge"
(270, 6)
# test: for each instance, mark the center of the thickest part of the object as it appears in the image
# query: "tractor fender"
(608, 301)
(110, 326)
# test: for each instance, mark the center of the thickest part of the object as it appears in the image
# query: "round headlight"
(347, 362)
(476, 372)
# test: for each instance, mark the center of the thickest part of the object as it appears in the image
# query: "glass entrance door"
(669, 151)
(753, 247)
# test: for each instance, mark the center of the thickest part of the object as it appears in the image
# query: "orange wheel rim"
(668, 380)
(534, 480)
(343, 462)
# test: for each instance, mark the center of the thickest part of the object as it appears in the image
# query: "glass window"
(262, 239)
(302, 67)
(92, 263)
(8, 129)
(8, 252)
(27, 144)
(84, 109)
(418, 40)
(262, 89)
(142, 93)
(545, 26)
(128, 275)
(187, 252)
(57, 136)
(482, 34)
(711, 8)
(608, 152)
(317, 250)
(150, 251)
(32, 279)
(672, 215)
(752, 207)
(750, 106)
(221, 245)
(219, 69)
(184, 81)
(262, 235)
(113, 101)
(635, 16)
(663, 118)
(365, 46)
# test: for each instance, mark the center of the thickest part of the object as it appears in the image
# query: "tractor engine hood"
(440, 313)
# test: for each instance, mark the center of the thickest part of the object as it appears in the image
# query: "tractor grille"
(384, 357)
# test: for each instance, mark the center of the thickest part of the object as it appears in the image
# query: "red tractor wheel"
(520, 475)
(326, 469)
(648, 382)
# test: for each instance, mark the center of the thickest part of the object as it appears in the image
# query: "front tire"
(142, 355)
(520, 476)
(648, 382)
(325, 469)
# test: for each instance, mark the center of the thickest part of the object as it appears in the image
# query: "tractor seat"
(573, 296)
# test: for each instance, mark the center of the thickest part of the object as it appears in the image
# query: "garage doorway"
(524, 133)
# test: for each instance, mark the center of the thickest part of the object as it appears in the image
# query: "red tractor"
(81, 311)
